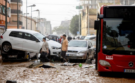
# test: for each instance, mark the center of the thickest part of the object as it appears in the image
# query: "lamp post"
(6, 15)
(17, 16)
(26, 14)
(26, 18)
(31, 13)
(38, 15)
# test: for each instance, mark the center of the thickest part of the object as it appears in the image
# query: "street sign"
(79, 7)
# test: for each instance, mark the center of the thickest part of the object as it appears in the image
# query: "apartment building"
(13, 19)
(93, 3)
(29, 20)
(48, 28)
(2, 14)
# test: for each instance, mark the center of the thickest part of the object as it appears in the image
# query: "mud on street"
(19, 71)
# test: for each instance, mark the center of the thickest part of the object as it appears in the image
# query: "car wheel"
(6, 47)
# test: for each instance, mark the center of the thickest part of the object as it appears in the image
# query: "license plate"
(129, 70)
(13, 56)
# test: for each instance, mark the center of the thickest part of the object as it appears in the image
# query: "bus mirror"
(96, 24)
(100, 16)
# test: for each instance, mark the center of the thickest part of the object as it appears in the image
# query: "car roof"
(23, 30)
(91, 36)
(79, 40)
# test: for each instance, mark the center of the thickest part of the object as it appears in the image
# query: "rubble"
(59, 74)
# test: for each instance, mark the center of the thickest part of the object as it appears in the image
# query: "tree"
(74, 25)
(60, 29)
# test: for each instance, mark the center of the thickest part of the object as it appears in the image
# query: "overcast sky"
(53, 10)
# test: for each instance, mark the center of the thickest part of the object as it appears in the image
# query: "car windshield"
(39, 36)
(119, 34)
(77, 44)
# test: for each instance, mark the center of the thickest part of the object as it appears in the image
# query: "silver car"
(80, 49)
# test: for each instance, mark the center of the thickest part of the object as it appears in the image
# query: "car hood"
(77, 48)
(53, 43)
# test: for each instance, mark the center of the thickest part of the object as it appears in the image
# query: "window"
(3, 9)
(16, 34)
(29, 37)
(0, 9)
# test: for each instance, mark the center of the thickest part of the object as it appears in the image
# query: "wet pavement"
(19, 72)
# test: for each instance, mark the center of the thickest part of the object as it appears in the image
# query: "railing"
(15, 11)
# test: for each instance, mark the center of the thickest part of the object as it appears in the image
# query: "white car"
(26, 40)
(90, 37)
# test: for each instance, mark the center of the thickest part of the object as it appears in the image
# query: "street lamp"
(26, 18)
(38, 14)
(31, 13)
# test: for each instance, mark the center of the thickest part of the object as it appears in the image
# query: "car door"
(30, 43)
(16, 38)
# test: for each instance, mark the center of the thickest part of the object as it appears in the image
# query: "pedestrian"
(44, 51)
(64, 48)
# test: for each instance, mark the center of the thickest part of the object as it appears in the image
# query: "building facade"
(3, 14)
(43, 26)
(48, 28)
(87, 19)
(13, 19)
(84, 21)
(93, 3)
(29, 20)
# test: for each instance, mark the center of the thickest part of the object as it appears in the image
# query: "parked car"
(90, 37)
(54, 37)
(26, 40)
(80, 49)
(82, 37)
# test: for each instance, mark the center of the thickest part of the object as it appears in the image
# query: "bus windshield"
(119, 34)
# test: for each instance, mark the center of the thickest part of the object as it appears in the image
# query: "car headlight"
(104, 63)
(81, 53)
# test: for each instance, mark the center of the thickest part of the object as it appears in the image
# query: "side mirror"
(96, 24)
(100, 16)
(37, 40)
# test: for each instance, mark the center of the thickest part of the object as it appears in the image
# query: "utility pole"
(6, 15)
(17, 16)
(31, 18)
(114, 2)
(128, 2)
(88, 18)
(26, 14)
(79, 23)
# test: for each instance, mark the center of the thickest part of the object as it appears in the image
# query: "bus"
(115, 45)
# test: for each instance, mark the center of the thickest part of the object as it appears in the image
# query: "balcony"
(15, 11)
(15, 1)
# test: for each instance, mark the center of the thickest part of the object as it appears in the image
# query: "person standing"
(44, 51)
(64, 48)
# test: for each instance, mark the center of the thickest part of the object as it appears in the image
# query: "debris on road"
(68, 64)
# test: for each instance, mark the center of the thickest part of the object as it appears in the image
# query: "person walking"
(44, 51)
(64, 48)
